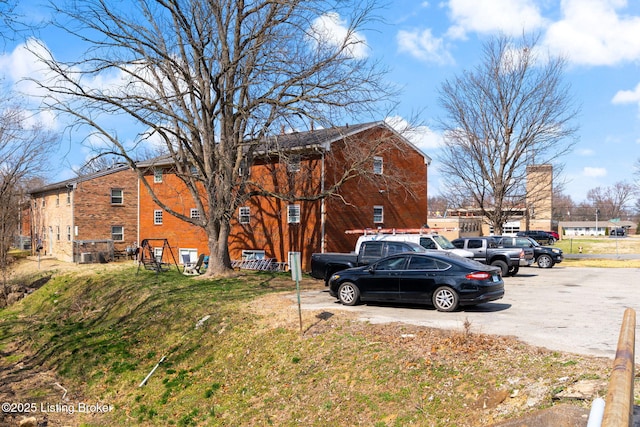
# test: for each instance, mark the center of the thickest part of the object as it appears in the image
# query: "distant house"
(593, 228)
(94, 213)
(266, 227)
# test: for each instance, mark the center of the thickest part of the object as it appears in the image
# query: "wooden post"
(618, 411)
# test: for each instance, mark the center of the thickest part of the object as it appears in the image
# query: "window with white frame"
(157, 175)
(378, 214)
(293, 214)
(249, 254)
(293, 165)
(117, 196)
(244, 215)
(157, 217)
(68, 233)
(377, 165)
(188, 255)
(117, 233)
(68, 196)
(157, 254)
(194, 213)
(57, 232)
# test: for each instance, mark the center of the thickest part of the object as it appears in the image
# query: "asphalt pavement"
(568, 309)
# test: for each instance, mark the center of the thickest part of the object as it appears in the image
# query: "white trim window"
(157, 217)
(378, 165)
(293, 214)
(244, 215)
(293, 165)
(194, 213)
(157, 175)
(117, 196)
(378, 214)
(117, 233)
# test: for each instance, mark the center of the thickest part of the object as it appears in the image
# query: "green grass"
(100, 334)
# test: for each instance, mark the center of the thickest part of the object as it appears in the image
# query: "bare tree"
(613, 201)
(25, 152)
(212, 81)
(510, 112)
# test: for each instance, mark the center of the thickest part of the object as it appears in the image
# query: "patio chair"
(190, 268)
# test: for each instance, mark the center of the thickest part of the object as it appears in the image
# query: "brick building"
(114, 204)
(77, 215)
(268, 227)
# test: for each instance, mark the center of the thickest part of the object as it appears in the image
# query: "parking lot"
(568, 309)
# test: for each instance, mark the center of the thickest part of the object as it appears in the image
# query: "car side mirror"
(371, 269)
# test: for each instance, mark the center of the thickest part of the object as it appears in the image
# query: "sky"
(425, 43)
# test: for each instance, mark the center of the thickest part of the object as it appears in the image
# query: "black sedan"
(438, 278)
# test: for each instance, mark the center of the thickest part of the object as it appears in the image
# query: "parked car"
(323, 265)
(539, 236)
(426, 240)
(441, 279)
(554, 234)
(544, 256)
(487, 251)
(619, 231)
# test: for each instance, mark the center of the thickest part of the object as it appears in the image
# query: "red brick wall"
(269, 230)
(94, 215)
(180, 234)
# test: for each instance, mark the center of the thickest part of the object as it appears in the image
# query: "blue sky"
(424, 43)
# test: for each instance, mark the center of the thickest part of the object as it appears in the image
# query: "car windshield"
(443, 242)
(534, 242)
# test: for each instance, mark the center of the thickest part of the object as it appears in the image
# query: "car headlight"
(335, 277)
(556, 251)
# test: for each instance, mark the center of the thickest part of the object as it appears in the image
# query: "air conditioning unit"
(86, 257)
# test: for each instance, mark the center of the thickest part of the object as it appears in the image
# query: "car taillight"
(478, 275)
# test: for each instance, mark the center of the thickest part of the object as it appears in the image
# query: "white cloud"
(487, 16)
(594, 172)
(594, 32)
(330, 29)
(424, 46)
(627, 96)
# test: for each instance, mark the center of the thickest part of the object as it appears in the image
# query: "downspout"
(138, 213)
(323, 241)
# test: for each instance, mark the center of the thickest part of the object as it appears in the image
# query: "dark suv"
(544, 256)
(539, 236)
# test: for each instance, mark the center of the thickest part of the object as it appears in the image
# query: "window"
(157, 175)
(422, 263)
(293, 214)
(57, 232)
(117, 233)
(194, 213)
(57, 200)
(396, 263)
(117, 196)
(377, 165)
(157, 217)
(294, 163)
(378, 214)
(157, 254)
(244, 215)
(249, 254)
(69, 196)
(68, 233)
(190, 254)
(372, 249)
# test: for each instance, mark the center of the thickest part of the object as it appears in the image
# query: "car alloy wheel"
(348, 294)
(445, 299)
(545, 261)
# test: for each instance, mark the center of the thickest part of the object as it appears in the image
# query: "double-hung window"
(157, 217)
(157, 175)
(117, 233)
(293, 214)
(117, 196)
(377, 165)
(378, 214)
(244, 215)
